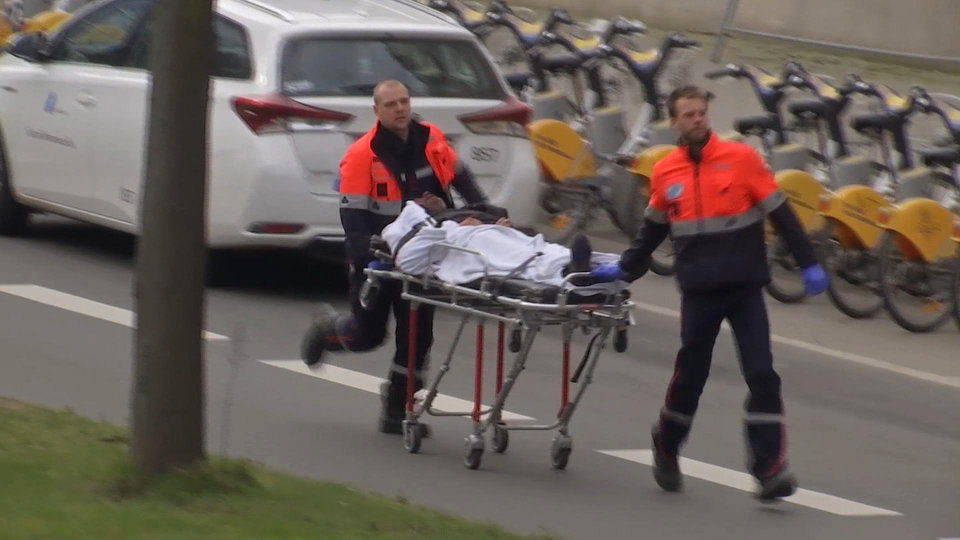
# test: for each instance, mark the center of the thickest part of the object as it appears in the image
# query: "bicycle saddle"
(518, 81)
(750, 124)
(876, 122)
(945, 157)
(562, 63)
(804, 107)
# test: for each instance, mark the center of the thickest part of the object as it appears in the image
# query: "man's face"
(392, 107)
(431, 203)
(691, 120)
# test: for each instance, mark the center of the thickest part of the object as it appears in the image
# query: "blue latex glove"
(608, 272)
(815, 280)
(377, 264)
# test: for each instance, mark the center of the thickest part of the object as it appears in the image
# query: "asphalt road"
(872, 410)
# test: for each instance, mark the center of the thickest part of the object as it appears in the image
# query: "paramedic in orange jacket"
(711, 195)
(398, 160)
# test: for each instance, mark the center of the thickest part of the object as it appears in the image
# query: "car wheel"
(13, 215)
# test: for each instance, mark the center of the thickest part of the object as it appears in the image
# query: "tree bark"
(168, 386)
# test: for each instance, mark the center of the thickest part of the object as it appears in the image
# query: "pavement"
(872, 410)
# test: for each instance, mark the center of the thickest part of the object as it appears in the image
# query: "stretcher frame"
(485, 303)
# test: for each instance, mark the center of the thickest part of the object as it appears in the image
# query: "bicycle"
(919, 250)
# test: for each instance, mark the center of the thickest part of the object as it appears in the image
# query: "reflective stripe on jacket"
(715, 208)
(367, 184)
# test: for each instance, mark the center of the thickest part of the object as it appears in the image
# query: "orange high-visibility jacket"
(715, 204)
(371, 196)
(365, 182)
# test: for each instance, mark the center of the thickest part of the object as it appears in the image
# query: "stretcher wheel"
(560, 458)
(501, 439)
(516, 340)
(413, 434)
(620, 340)
(560, 452)
(474, 453)
(473, 458)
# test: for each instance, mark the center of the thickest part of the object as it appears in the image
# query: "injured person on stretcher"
(419, 237)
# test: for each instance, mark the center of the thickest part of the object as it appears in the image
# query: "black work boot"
(320, 337)
(580, 255)
(777, 486)
(666, 469)
(393, 408)
(393, 397)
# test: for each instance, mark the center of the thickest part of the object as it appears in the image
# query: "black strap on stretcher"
(513, 273)
(583, 361)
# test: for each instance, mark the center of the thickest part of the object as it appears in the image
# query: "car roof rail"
(267, 8)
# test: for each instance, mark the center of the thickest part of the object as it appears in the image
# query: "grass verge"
(64, 476)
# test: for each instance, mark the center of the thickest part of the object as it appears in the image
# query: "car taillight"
(276, 228)
(274, 113)
(509, 118)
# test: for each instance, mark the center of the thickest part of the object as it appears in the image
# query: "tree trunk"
(168, 386)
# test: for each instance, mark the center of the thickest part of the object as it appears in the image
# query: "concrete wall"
(927, 27)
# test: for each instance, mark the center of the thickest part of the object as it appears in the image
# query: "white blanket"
(503, 249)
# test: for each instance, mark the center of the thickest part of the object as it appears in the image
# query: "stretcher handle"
(566, 286)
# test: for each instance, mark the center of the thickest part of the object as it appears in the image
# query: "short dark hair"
(688, 91)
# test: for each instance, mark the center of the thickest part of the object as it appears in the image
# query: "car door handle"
(9, 88)
(87, 101)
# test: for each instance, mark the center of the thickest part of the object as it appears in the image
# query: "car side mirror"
(34, 47)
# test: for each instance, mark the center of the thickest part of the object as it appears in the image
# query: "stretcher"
(525, 307)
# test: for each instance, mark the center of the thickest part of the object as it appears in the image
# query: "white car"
(291, 90)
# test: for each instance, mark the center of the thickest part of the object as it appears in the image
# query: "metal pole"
(411, 354)
(565, 373)
(478, 375)
(501, 337)
(724, 26)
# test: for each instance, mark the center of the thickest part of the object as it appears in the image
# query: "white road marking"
(83, 306)
(745, 482)
(369, 383)
(953, 382)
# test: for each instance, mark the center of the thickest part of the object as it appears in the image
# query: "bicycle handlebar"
(499, 6)
(926, 104)
(729, 70)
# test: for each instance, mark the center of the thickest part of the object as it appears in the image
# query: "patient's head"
(431, 203)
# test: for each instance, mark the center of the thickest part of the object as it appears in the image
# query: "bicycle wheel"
(917, 294)
(854, 279)
(956, 291)
(568, 213)
(786, 277)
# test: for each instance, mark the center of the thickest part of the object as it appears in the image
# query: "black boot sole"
(782, 487)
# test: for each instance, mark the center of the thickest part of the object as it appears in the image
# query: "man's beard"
(696, 139)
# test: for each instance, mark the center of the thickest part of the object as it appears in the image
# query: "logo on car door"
(50, 105)
(484, 153)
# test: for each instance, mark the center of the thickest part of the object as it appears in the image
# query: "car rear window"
(353, 66)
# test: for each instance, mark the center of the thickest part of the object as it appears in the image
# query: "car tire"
(218, 269)
(13, 215)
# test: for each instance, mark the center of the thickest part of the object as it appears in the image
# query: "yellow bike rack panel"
(563, 155)
(804, 193)
(922, 228)
(855, 209)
